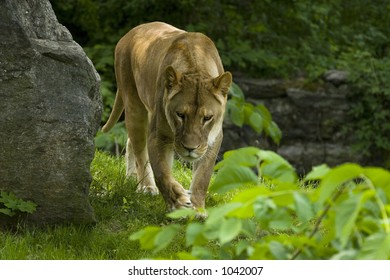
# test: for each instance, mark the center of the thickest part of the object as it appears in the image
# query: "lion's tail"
(115, 113)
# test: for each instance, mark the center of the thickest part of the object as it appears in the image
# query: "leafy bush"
(370, 102)
(333, 213)
(260, 39)
(10, 205)
(113, 141)
(257, 117)
(103, 59)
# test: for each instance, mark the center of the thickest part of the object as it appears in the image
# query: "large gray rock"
(312, 119)
(49, 113)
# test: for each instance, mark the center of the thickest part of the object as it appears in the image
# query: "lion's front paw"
(201, 214)
(183, 201)
(150, 189)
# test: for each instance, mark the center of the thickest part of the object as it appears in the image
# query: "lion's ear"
(223, 82)
(171, 77)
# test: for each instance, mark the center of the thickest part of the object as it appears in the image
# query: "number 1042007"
(227, 270)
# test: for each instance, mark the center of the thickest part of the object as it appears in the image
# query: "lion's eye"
(207, 118)
(181, 115)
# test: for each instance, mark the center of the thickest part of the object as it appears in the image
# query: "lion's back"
(148, 49)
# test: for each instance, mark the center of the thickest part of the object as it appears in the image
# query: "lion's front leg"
(202, 171)
(161, 159)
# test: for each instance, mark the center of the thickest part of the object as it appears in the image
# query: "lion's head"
(194, 107)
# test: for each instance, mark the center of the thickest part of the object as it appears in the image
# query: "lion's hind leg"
(136, 155)
(147, 184)
(130, 160)
(144, 173)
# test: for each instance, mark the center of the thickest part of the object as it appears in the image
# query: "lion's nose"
(188, 148)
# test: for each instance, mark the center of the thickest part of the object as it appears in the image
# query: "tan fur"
(173, 89)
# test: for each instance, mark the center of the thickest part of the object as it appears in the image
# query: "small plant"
(333, 213)
(257, 117)
(10, 205)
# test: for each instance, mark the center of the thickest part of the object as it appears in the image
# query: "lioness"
(173, 89)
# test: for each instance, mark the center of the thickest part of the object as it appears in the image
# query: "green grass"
(119, 210)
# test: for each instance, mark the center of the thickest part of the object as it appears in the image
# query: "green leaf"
(217, 213)
(280, 220)
(243, 246)
(318, 172)
(182, 213)
(250, 194)
(345, 255)
(212, 229)
(248, 156)
(236, 113)
(282, 194)
(146, 236)
(186, 256)
(245, 211)
(274, 132)
(273, 166)
(368, 224)
(264, 112)
(165, 237)
(230, 228)
(347, 213)
(7, 212)
(256, 122)
(102, 140)
(278, 250)
(215, 219)
(270, 127)
(261, 252)
(249, 227)
(303, 207)
(337, 177)
(380, 178)
(376, 247)
(194, 235)
(27, 207)
(231, 177)
(247, 198)
(201, 253)
(236, 91)
(13, 204)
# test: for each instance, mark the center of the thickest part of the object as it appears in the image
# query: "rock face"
(311, 121)
(49, 113)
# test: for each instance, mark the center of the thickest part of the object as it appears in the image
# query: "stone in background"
(311, 121)
(50, 109)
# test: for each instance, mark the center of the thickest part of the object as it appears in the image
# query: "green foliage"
(333, 213)
(119, 211)
(257, 117)
(103, 59)
(114, 140)
(370, 100)
(10, 205)
(260, 38)
(285, 39)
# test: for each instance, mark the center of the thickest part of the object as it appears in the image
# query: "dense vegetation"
(119, 211)
(258, 207)
(332, 213)
(287, 39)
(262, 38)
